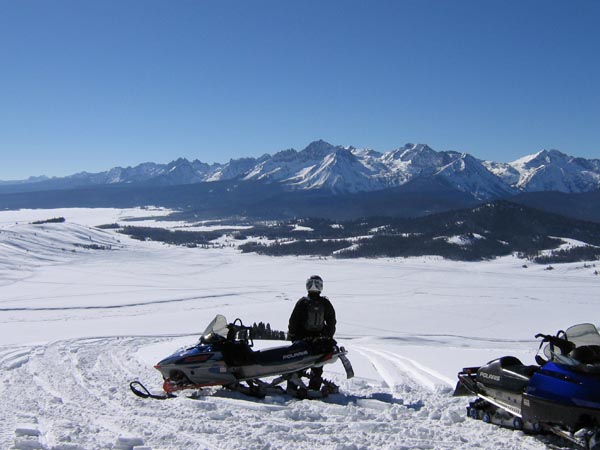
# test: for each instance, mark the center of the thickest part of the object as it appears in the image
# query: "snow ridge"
(25, 246)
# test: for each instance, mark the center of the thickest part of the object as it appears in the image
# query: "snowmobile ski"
(347, 365)
(141, 391)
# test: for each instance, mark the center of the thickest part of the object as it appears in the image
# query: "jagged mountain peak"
(318, 147)
(365, 152)
(415, 160)
(418, 149)
(552, 170)
(468, 174)
(285, 155)
(409, 151)
(180, 160)
(543, 157)
(339, 171)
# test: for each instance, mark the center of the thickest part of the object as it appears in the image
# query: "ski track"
(121, 306)
(74, 395)
(398, 370)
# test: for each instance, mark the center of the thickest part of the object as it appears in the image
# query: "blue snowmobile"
(561, 394)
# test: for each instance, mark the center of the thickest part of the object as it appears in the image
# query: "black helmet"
(314, 284)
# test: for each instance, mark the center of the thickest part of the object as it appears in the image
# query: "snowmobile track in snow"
(74, 395)
(398, 370)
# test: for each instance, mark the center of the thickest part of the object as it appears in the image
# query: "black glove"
(323, 344)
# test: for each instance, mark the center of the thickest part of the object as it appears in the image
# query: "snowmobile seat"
(236, 347)
(586, 354)
(285, 353)
(506, 373)
(270, 356)
(523, 370)
(514, 365)
(237, 353)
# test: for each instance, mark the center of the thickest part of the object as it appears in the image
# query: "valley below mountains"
(485, 232)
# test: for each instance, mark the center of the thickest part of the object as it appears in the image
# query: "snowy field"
(78, 323)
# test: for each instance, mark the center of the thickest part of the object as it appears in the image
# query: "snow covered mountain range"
(340, 170)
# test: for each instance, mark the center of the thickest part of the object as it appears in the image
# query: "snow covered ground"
(77, 323)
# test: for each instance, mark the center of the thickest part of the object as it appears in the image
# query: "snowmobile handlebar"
(563, 344)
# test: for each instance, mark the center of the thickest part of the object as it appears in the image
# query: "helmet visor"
(314, 285)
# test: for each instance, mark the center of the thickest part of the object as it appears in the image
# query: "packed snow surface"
(78, 323)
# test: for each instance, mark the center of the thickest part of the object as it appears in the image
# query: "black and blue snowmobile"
(560, 394)
(224, 357)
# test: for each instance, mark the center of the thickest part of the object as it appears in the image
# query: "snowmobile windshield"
(583, 334)
(216, 330)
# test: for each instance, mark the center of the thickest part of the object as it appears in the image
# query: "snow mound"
(30, 245)
(130, 443)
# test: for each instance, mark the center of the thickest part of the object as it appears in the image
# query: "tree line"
(264, 331)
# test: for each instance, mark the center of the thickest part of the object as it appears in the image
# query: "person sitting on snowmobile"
(313, 320)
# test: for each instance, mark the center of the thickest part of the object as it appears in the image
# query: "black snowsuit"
(313, 316)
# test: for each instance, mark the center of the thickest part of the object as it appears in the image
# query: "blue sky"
(86, 86)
